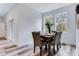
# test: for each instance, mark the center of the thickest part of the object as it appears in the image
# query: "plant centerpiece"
(48, 26)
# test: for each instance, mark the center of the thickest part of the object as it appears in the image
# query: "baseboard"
(68, 44)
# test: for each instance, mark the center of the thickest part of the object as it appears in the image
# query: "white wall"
(2, 26)
(26, 20)
(77, 36)
(68, 37)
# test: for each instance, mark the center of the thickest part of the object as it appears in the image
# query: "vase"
(49, 30)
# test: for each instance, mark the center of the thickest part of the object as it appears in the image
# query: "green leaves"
(48, 25)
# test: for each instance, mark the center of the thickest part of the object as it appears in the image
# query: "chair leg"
(60, 45)
(40, 51)
(54, 48)
(34, 48)
(45, 47)
(57, 47)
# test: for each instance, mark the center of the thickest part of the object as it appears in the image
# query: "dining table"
(48, 38)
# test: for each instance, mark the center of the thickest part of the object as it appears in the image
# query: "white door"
(2, 29)
(10, 30)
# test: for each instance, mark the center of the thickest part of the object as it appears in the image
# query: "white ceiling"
(5, 7)
(45, 7)
(41, 7)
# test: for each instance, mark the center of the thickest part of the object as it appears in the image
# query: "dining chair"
(56, 41)
(38, 41)
(55, 32)
(53, 40)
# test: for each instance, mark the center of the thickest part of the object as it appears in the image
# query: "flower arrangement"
(48, 25)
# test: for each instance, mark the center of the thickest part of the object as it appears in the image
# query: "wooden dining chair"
(38, 41)
(56, 41)
(55, 33)
(52, 41)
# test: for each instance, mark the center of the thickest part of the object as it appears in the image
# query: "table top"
(47, 35)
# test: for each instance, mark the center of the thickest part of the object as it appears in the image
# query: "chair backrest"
(36, 38)
(55, 32)
(58, 37)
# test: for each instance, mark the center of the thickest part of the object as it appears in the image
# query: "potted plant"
(49, 25)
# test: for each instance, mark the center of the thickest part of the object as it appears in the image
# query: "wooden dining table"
(48, 38)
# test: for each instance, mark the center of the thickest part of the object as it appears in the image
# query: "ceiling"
(5, 7)
(45, 7)
(41, 7)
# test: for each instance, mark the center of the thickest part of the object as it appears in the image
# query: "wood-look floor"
(27, 50)
(66, 50)
(77, 49)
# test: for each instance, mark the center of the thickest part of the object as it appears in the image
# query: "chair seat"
(43, 42)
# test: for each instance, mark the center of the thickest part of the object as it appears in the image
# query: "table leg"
(49, 51)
